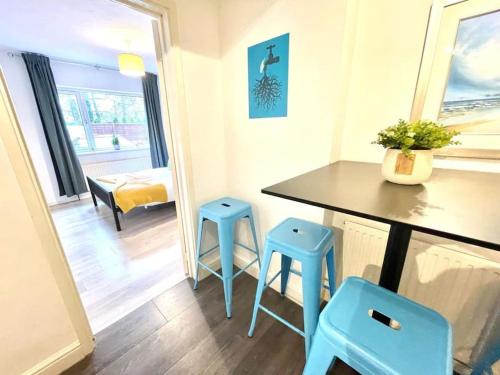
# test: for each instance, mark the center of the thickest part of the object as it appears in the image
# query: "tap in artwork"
(268, 78)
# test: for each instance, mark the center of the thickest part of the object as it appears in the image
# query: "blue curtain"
(69, 174)
(157, 144)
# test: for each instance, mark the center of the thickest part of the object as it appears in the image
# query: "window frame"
(83, 117)
(87, 124)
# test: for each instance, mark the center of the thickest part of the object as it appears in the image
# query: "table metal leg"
(395, 255)
(394, 261)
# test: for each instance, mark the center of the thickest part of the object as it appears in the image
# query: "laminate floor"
(186, 332)
(117, 272)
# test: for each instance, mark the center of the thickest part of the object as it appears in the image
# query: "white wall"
(91, 78)
(384, 70)
(202, 75)
(65, 75)
(261, 152)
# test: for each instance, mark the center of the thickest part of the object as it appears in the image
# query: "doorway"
(115, 271)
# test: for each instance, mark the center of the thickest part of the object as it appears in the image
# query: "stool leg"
(254, 235)
(198, 247)
(226, 240)
(330, 265)
(286, 263)
(311, 291)
(321, 356)
(266, 261)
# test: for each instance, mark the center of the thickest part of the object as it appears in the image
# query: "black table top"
(456, 204)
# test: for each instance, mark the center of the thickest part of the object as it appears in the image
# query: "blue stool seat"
(299, 238)
(225, 208)
(308, 243)
(418, 340)
(225, 212)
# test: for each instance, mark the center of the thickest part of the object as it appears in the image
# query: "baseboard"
(59, 361)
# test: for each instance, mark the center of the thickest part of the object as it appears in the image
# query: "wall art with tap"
(268, 78)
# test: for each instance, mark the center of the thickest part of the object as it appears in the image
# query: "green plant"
(418, 135)
(115, 141)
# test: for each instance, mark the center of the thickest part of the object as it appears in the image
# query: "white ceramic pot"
(400, 170)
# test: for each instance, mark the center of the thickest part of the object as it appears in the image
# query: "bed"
(124, 192)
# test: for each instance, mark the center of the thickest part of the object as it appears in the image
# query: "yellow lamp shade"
(131, 65)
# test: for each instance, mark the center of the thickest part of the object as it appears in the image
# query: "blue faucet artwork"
(268, 78)
(267, 90)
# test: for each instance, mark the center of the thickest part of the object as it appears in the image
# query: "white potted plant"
(408, 159)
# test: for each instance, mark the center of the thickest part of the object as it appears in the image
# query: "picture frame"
(435, 92)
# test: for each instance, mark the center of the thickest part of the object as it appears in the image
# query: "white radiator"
(103, 168)
(363, 251)
(464, 288)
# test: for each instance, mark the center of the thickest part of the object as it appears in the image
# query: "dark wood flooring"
(186, 332)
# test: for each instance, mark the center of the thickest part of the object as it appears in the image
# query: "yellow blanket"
(132, 191)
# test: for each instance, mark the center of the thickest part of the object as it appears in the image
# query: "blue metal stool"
(308, 243)
(417, 340)
(225, 212)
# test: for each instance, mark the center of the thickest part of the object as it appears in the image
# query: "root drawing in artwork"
(267, 90)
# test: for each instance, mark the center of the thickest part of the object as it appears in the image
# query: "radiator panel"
(363, 251)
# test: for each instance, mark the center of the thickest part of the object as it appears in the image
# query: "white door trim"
(174, 114)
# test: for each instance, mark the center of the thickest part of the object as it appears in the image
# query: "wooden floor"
(186, 332)
(116, 272)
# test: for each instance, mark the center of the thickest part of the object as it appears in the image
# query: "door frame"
(174, 114)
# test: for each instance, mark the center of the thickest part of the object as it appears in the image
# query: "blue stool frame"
(416, 340)
(225, 212)
(308, 243)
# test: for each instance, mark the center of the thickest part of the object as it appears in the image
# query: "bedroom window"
(94, 118)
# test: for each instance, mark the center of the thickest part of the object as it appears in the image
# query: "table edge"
(435, 232)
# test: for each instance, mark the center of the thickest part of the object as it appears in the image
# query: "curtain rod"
(72, 62)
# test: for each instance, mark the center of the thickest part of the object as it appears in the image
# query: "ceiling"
(90, 31)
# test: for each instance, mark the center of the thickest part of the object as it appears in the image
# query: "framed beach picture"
(268, 78)
(459, 79)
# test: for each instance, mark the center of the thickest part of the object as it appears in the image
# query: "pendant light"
(131, 65)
